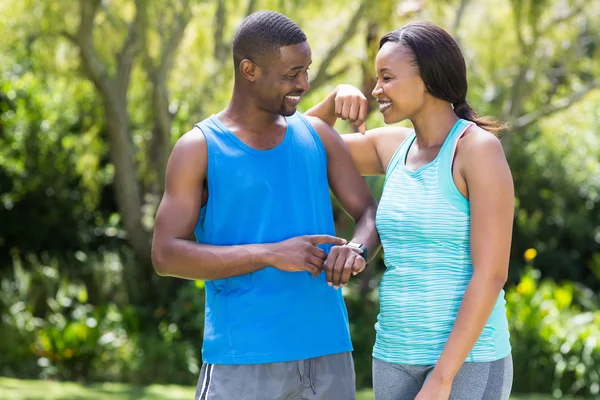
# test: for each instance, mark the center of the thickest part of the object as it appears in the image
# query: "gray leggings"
(474, 381)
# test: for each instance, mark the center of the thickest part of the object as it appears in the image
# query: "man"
(252, 183)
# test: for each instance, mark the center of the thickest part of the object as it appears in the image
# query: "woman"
(445, 222)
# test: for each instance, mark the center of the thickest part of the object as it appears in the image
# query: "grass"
(15, 389)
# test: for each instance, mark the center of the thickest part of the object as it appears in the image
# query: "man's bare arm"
(355, 198)
(174, 254)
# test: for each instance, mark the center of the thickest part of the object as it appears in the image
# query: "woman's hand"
(435, 389)
(351, 105)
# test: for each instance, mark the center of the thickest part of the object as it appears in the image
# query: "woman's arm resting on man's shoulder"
(345, 102)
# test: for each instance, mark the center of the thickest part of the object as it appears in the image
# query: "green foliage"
(362, 313)
(556, 180)
(555, 334)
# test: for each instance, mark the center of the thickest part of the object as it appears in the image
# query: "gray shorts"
(322, 378)
(474, 381)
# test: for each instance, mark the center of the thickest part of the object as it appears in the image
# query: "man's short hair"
(262, 34)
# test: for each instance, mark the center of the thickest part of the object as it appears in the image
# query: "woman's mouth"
(383, 106)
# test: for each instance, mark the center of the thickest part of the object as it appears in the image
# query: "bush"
(555, 334)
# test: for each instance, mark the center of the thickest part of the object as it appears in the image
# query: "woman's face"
(400, 91)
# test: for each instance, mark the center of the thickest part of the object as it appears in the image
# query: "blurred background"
(93, 94)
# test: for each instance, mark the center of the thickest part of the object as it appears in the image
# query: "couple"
(252, 183)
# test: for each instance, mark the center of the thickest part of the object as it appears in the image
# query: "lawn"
(14, 389)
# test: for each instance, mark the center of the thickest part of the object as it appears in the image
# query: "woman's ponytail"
(463, 110)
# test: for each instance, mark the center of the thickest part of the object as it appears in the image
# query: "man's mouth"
(293, 99)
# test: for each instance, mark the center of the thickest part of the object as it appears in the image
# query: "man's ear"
(249, 70)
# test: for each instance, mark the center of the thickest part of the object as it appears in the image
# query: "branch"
(337, 73)
(219, 50)
(550, 109)
(251, 7)
(131, 47)
(458, 17)
(170, 46)
(69, 36)
(513, 107)
(159, 147)
(321, 76)
(562, 18)
(85, 41)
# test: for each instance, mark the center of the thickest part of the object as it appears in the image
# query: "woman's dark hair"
(441, 66)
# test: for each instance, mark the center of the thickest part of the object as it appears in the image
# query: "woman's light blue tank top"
(424, 224)
(266, 196)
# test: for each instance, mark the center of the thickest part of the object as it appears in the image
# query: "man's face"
(283, 80)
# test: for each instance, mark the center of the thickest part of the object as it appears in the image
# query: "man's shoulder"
(191, 148)
(325, 132)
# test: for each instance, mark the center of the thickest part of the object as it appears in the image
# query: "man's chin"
(287, 112)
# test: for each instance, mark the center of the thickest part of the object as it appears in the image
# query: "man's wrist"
(264, 254)
(359, 248)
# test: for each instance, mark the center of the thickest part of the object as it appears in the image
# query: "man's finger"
(338, 268)
(317, 252)
(314, 271)
(316, 261)
(359, 265)
(326, 239)
(329, 264)
(348, 268)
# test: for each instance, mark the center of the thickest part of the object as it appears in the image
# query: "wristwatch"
(364, 252)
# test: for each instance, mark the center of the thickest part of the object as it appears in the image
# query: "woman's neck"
(433, 123)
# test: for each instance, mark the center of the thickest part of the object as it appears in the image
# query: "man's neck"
(242, 114)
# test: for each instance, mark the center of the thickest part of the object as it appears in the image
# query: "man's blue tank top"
(266, 196)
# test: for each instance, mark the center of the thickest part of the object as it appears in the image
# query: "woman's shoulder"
(390, 133)
(476, 140)
(387, 140)
(478, 148)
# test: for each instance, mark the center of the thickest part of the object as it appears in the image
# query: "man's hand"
(352, 105)
(301, 253)
(342, 262)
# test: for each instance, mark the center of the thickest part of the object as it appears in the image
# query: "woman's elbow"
(160, 259)
(495, 279)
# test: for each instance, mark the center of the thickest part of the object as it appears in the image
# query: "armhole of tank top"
(314, 134)
(446, 178)
(209, 172)
(399, 155)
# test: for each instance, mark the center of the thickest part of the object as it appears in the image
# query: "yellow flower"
(530, 254)
(526, 286)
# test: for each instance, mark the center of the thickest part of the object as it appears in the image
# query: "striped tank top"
(424, 224)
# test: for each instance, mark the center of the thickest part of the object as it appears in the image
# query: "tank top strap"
(446, 161)
(207, 127)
